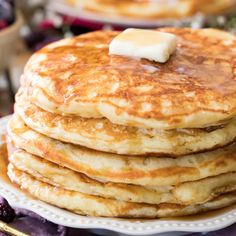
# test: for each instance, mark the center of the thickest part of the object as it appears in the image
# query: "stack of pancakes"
(126, 137)
(152, 9)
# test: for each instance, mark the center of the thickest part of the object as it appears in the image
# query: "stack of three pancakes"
(123, 137)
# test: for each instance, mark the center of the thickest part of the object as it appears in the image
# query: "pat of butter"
(149, 44)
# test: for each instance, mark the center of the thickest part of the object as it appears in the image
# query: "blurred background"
(28, 25)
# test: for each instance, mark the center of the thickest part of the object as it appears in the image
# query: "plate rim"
(131, 227)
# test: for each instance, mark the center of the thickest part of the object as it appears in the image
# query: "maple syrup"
(3, 167)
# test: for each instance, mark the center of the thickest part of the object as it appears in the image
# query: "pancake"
(62, 177)
(77, 77)
(102, 135)
(97, 206)
(139, 170)
(186, 193)
(205, 190)
(148, 9)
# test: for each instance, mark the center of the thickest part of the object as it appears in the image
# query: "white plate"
(132, 227)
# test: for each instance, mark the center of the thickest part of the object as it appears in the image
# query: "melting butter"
(148, 44)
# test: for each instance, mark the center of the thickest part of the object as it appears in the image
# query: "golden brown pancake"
(187, 193)
(102, 135)
(149, 9)
(97, 206)
(139, 170)
(65, 178)
(195, 88)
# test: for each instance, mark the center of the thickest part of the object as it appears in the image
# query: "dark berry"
(7, 11)
(7, 214)
(3, 24)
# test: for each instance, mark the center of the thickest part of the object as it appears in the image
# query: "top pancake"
(147, 9)
(194, 89)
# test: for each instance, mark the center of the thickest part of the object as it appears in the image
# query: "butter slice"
(149, 44)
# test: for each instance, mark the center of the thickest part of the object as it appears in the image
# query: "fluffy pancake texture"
(186, 193)
(77, 77)
(147, 9)
(97, 206)
(102, 135)
(140, 170)
(115, 136)
(62, 177)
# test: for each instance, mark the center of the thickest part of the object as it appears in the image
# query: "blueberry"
(7, 214)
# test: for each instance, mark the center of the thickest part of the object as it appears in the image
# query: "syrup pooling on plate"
(3, 160)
